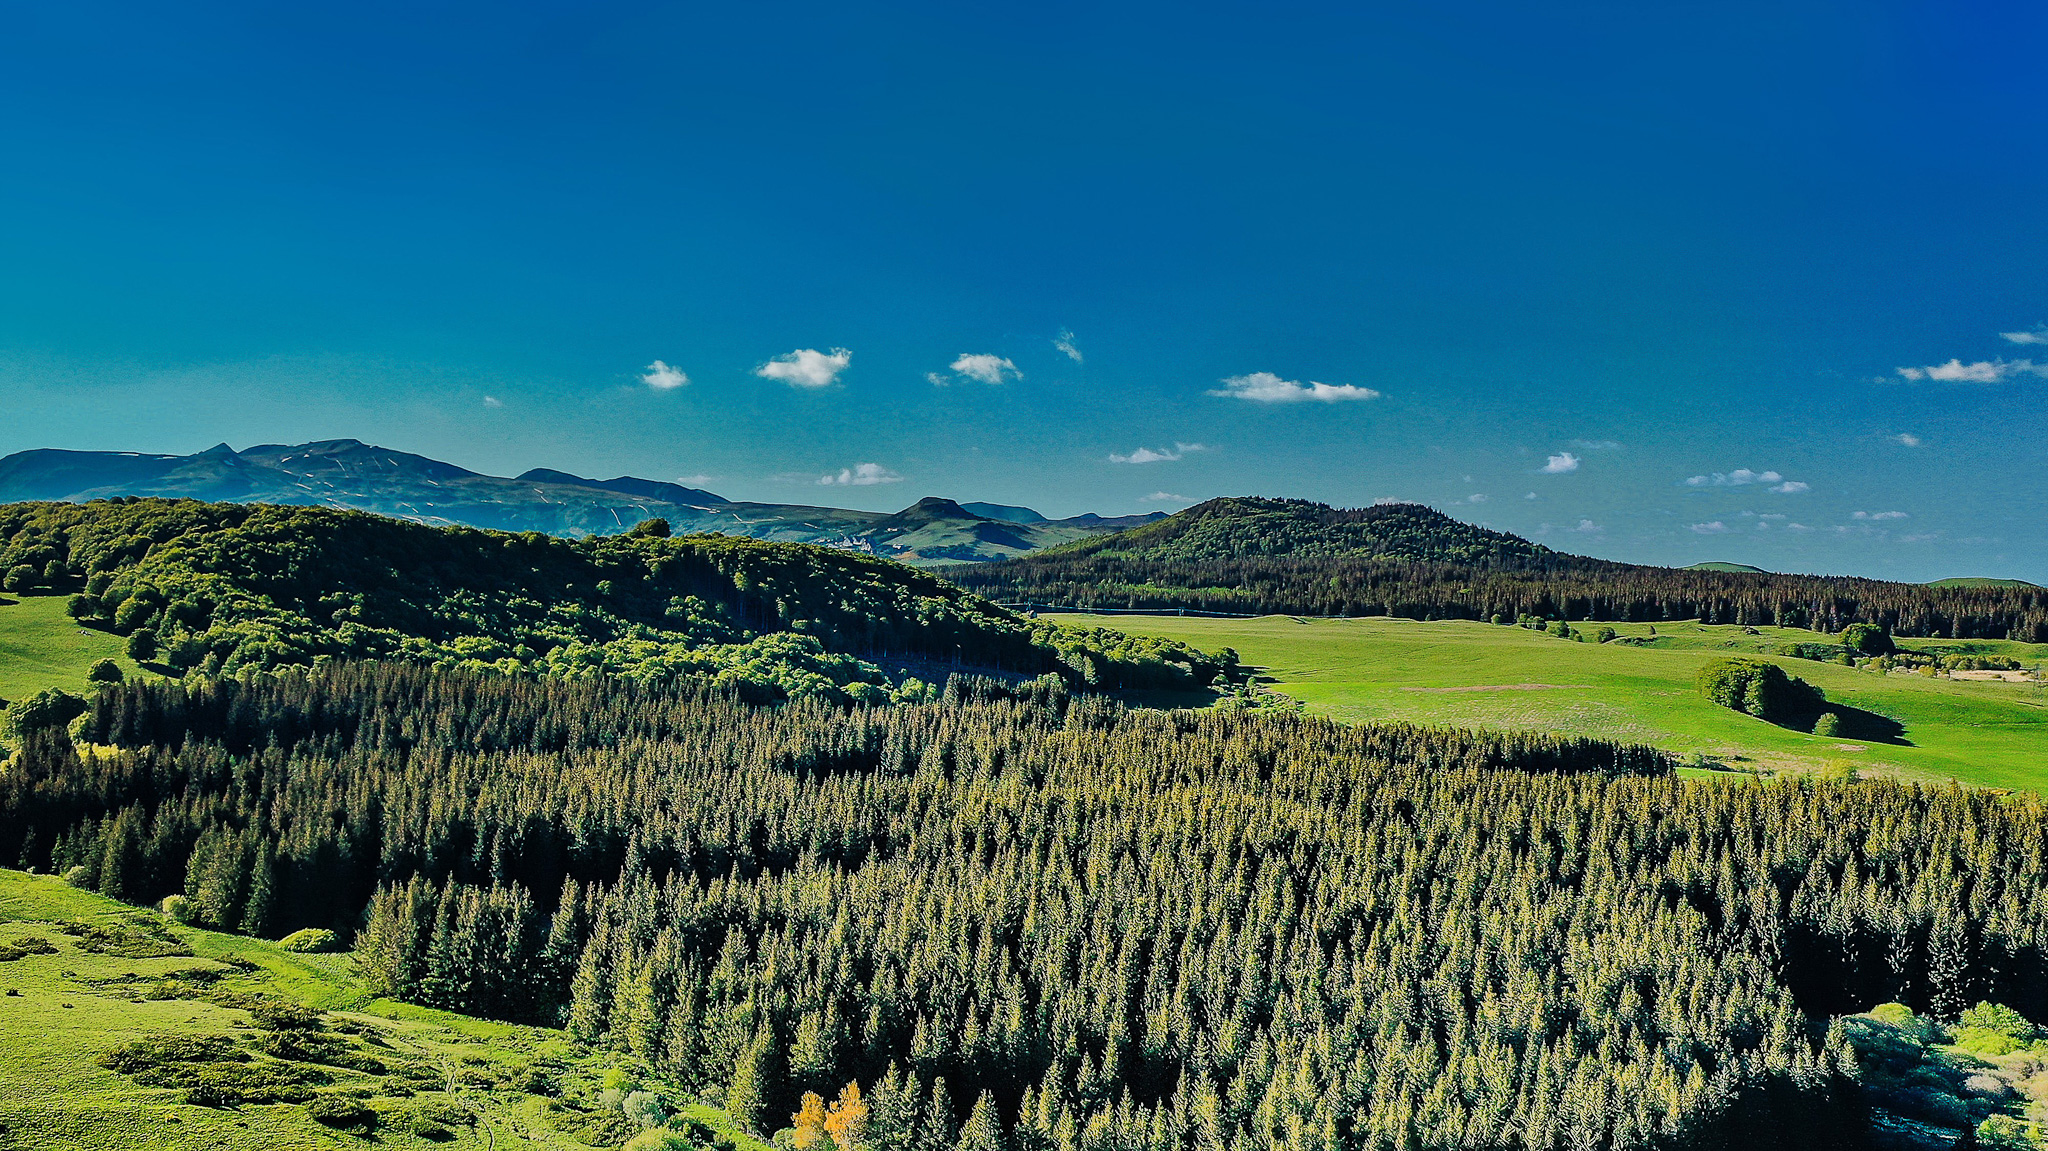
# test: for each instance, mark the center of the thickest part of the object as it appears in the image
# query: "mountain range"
(351, 474)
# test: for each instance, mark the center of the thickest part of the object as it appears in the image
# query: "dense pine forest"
(216, 588)
(1262, 556)
(1021, 918)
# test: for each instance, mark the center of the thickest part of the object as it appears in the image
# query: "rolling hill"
(1267, 556)
(363, 477)
(223, 587)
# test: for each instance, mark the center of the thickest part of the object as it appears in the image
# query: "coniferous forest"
(1269, 556)
(1023, 918)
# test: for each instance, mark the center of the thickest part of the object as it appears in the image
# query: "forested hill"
(1033, 921)
(1265, 556)
(221, 587)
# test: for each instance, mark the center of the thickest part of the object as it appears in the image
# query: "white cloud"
(1267, 388)
(1477, 498)
(696, 481)
(1712, 528)
(1588, 527)
(2038, 335)
(1981, 372)
(493, 402)
(807, 368)
(1878, 516)
(1148, 456)
(1065, 343)
(861, 475)
(1560, 464)
(1164, 498)
(1743, 477)
(1908, 439)
(983, 368)
(1532, 496)
(1597, 445)
(661, 377)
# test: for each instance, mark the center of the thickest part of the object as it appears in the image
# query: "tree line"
(1020, 918)
(1269, 556)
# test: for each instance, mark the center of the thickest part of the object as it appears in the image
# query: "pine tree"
(983, 1130)
(259, 913)
(750, 1098)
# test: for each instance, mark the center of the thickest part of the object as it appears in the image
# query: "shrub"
(104, 671)
(1999, 1018)
(46, 709)
(78, 875)
(142, 645)
(1866, 639)
(274, 1015)
(1608, 635)
(2006, 1134)
(179, 908)
(1829, 724)
(1759, 688)
(82, 606)
(340, 1111)
(19, 578)
(661, 1139)
(310, 941)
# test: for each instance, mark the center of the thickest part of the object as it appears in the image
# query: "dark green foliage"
(18, 579)
(341, 1112)
(657, 527)
(310, 940)
(1173, 930)
(234, 586)
(212, 1071)
(1866, 639)
(104, 671)
(1760, 688)
(46, 710)
(23, 948)
(1260, 557)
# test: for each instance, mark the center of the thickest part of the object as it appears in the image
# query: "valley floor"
(1981, 732)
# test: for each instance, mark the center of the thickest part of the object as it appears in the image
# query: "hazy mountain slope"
(1264, 556)
(364, 477)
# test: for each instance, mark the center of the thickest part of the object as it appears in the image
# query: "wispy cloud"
(1597, 445)
(1981, 372)
(807, 367)
(1908, 439)
(1560, 464)
(1710, 528)
(1064, 342)
(982, 368)
(696, 481)
(661, 377)
(1588, 527)
(1743, 477)
(1877, 515)
(1163, 455)
(493, 402)
(860, 476)
(1164, 498)
(1267, 388)
(2035, 335)
(1477, 498)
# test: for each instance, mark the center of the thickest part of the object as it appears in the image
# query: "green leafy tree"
(1867, 639)
(19, 578)
(104, 671)
(142, 645)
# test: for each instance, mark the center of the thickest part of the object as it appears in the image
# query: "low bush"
(341, 1112)
(23, 948)
(310, 941)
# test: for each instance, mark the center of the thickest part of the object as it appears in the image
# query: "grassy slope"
(42, 647)
(73, 1006)
(1994, 734)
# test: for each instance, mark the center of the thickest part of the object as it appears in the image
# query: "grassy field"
(42, 647)
(1481, 675)
(82, 982)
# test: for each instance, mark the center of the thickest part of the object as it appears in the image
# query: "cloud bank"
(1981, 372)
(1743, 477)
(1267, 388)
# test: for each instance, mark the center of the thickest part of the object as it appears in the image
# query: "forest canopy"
(220, 587)
(1064, 924)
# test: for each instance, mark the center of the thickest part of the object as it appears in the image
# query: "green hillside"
(223, 587)
(1267, 557)
(1639, 689)
(1981, 581)
(126, 1029)
(1722, 566)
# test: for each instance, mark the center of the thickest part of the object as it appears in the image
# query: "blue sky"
(1642, 280)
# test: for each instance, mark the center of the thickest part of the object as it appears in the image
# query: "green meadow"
(42, 647)
(1486, 676)
(83, 978)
